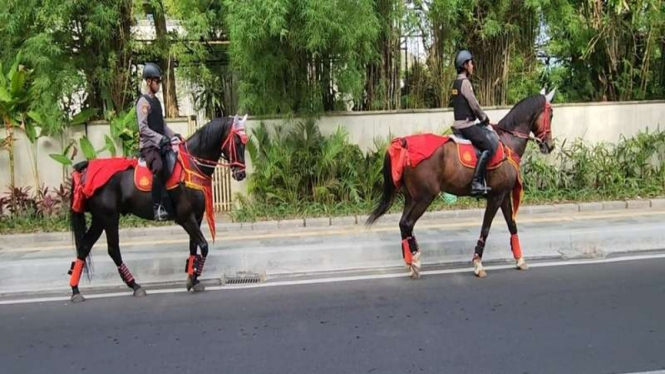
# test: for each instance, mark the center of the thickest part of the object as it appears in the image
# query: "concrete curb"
(370, 250)
(175, 231)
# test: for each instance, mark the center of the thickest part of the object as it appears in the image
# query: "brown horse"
(443, 171)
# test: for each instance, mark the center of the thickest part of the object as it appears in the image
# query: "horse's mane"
(210, 135)
(523, 111)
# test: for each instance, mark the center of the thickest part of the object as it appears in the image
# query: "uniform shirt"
(147, 136)
(467, 91)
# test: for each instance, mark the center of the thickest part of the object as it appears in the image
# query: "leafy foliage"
(299, 171)
(300, 55)
(301, 166)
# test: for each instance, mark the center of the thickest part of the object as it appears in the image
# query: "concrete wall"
(594, 122)
(50, 172)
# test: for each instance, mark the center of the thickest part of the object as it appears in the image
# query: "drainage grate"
(244, 278)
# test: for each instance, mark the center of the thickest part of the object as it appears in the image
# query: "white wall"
(594, 122)
(50, 171)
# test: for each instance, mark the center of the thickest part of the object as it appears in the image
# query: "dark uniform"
(154, 137)
(467, 110)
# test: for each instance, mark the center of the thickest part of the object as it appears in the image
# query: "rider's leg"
(154, 161)
(483, 139)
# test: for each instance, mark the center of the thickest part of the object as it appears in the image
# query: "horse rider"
(467, 110)
(154, 135)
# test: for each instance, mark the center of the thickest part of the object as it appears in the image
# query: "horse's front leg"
(493, 204)
(195, 262)
(507, 209)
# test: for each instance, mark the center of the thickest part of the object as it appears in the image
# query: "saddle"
(172, 171)
(468, 153)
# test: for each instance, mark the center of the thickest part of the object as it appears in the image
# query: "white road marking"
(334, 279)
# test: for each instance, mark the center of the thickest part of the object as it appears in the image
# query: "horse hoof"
(414, 268)
(78, 298)
(190, 284)
(199, 287)
(140, 292)
(478, 269)
(414, 271)
(521, 264)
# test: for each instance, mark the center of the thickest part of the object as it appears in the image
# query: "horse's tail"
(388, 195)
(77, 222)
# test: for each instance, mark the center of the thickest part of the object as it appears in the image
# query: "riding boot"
(158, 209)
(479, 185)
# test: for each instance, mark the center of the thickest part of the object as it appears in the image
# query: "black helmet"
(151, 71)
(462, 57)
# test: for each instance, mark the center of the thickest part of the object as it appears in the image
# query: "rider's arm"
(150, 136)
(467, 91)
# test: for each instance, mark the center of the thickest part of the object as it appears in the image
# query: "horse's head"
(233, 147)
(542, 126)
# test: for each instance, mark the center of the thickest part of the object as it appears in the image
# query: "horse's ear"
(542, 92)
(550, 95)
(242, 122)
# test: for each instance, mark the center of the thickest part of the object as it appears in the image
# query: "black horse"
(119, 196)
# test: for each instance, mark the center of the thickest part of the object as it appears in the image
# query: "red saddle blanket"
(99, 172)
(143, 177)
(95, 175)
(413, 149)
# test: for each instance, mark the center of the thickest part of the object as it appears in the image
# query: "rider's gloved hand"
(164, 141)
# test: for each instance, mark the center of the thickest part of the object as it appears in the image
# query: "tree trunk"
(166, 64)
(120, 84)
(10, 148)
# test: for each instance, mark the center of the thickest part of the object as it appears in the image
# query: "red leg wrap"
(126, 275)
(406, 251)
(75, 272)
(515, 246)
(199, 265)
(190, 265)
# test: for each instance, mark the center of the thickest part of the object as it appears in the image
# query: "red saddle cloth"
(143, 177)
(99, 171)
(468, 156)
(413, 149)
(95, 175)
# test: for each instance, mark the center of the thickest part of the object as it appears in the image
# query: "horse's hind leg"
(413, 210)
(113, 242)
(493, 204)
(507, 208)
(89, 239)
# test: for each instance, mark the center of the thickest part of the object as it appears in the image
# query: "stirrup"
(160, 214)
(481, 190)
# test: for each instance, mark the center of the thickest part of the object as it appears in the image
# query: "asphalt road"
(603, 318)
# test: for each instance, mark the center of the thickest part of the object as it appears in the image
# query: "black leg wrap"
(413, 245)
(480, 247)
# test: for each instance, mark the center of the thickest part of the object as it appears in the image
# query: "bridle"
(229, 145)
(541, 132)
